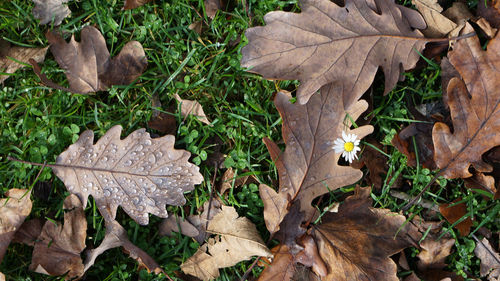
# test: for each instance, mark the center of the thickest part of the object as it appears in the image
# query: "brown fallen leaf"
(356, 243)
(437, 24)
(453, 212)
(490, 260)
(421, 132)
(132, 4)
(490, 10)
(116, 236)
(229, 180)
(376, 163)
(164, 123)
(176, 224)
(309, 166)
(2, 277)
(194, 108)
(474, 107)
(88, 64)
(13, 210)
(237, 240)
(138, 173)
(486, 27)
(481, 181)
(29, 232)
(9, 55)
(57, 249)
(210, 210)
(48, 10)
(211, 7)
(328, 43)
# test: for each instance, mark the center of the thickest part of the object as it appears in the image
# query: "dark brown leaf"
(453, 212)
(57, 249)
(29, 232)
(132, 4)
(421, 132)
(138, 173)
(9, 55)
(164, 123)
(327, 43)
(48, 10)
(490, 10)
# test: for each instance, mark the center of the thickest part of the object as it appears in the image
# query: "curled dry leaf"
(437, 24)
(9, 55)
(308, 167)
(490, 260)
(176, 224)
(453, 212)
(48, 10)
(328, 43)
(237, 240)
(13, 210)
(138, 173)
(474, 105)
(132, 4)
(356, 242)
(88, 64)
(116, 236)
(57, 249)
(189, 107)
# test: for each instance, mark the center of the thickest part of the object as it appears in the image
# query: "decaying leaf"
(132, 4)
(490, 260)
(189, 107)
(230, 180)
(490, 10)
(29, 232)
(210, 209)
(13, 210)
(48, 10)
(116, 236)
(88, 64)
(486, 27)
(474, 105)
(57, 249)
(237, 240)
(138, 173)
(357, 242)
(9, 55)
(176, 224)
(308, 167)
(481, 181)
(328, 43)
(453, 212)
(211, 7)
(437, 24)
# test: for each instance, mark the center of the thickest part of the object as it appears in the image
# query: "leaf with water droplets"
(138, 173)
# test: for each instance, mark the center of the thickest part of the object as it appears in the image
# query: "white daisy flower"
(348, 145)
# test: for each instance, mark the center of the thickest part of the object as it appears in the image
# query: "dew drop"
(147, 142)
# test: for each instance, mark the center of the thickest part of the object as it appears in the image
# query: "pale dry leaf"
(210, 209)
(309, 165)
(177, 224)
(13, 211)
(9, 55)
(237, 240)
(57, 249)
(490, 260)
(327, 43)
(138, 173)
(437, 24)
(88, 64)
(189, 107)
(486, 27)
(201, 265)
(2, 277)
(275, 207)
(116, 236)
(48, 10)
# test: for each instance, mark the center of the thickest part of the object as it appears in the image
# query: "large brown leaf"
(88, 64)
(308, 167)
(328, 43)
(474, 105)
(138, 173)
(357, 242)
(13, 210)
(57, 249)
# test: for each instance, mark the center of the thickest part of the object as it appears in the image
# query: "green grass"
(38, 123)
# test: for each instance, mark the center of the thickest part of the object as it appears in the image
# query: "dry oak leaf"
(490, 10)
(9, 55)
(356, 243)
(13, 210)
(453, 212)
(116, 236)
(189, 107)
(57, 249)
(132, 4)
(48, 10)
(437, 24)
(88, 64)
(474, 107)
(237, 240)
(176, 224)
(490, 260)
(308, 167)
(328, 43)
(138, 173)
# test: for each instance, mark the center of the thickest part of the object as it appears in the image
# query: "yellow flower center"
(348, 146)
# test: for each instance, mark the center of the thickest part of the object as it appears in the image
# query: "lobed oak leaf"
(308, 167)
(138, 173)
(237, 240)
(328, 43)
(490, 260)
(88, 64)
(356, 242)
(48, 10)
(13, 210)
(474, 107)
(437, 24)
(9, 55)
(57, 249)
